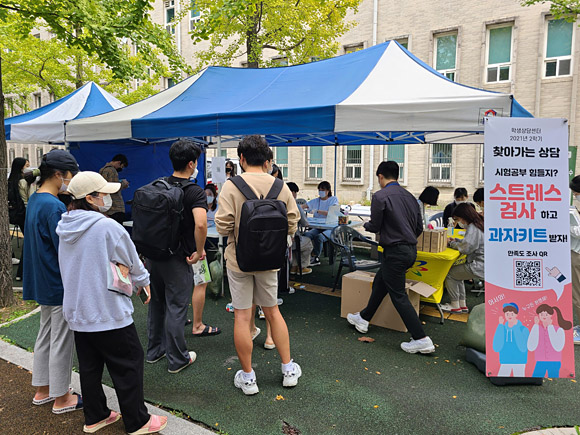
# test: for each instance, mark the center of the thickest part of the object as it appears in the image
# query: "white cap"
(87, 182)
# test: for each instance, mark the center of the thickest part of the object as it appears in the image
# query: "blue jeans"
(553, 368)
(318, 237)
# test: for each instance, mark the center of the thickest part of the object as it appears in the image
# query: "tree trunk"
(6, 292)
(252, 50)
(79, 72)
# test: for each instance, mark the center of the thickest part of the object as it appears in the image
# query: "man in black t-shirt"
(172, 280)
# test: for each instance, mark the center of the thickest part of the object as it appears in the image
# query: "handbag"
(118, 280)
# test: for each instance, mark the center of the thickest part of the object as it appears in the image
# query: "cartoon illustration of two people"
(512, 341)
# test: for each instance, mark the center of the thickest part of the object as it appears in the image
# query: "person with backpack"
(16, 204)
(169, 230)
(257, 213)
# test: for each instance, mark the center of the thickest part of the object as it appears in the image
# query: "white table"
(362, 211)
(320, 224)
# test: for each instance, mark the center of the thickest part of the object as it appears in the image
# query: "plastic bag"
(217, 275)
(474, 335)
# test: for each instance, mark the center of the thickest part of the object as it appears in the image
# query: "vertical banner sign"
(528, 286)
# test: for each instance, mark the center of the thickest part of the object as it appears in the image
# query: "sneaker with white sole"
(359, 323)
(248, 387)
(153, 361)
(192, 358)
(280, 301)
(315, 261)
(291, 377)
(230, 308)
(448, 308)
(424, 345)
(15, 261)
(577, 334)
(256, 333)
(261, 314)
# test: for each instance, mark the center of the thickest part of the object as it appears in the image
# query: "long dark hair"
(564, 324)
(468, 214)
(213, 189)
(16, 170)
(325, 185)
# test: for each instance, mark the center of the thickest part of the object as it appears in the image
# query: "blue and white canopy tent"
(46, 124)
(381, 95)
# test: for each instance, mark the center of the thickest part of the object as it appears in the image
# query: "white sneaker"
(261, 314)
(249, 388)
(192, 358)
(291, 377)
(425, 345)
(577, 334)
(15, 261)
(280, 301)
(256, 333)
(359, 323)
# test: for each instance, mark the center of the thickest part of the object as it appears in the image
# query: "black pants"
(121, 351)
(171, 287)
(395, 260)
(21, 264)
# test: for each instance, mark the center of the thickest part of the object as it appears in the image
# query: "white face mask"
(461, 224)
(63, 187)
(107, 203)
(194, 175)
(322, 193)
(210, 199)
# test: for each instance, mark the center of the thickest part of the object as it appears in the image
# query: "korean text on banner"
(528, 285)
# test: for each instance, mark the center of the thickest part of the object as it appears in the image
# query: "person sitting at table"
(319, 207)
(429, 196)
(212, 203)
(461, 197)
(305, 243)
(472, 246)
(478, 198)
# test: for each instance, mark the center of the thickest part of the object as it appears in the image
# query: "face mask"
(194, 175)
(461, 224)
(210, 199)
(322, 193)
(63, 187)
(107, 203)
(270, 171)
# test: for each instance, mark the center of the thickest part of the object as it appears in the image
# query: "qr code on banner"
(528, 273)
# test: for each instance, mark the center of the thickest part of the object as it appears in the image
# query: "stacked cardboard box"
(432, 241)
(357, 288)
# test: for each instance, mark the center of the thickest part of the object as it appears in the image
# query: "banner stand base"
(478, 360)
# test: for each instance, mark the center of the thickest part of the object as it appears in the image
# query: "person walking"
(261, 287)
(110, 172)
(396, 216)
(92, 251)
(53, 350)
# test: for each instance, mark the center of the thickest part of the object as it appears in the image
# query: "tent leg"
(221, 239)
(335, 165)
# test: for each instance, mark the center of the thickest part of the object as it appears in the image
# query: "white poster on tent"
(528, 285)
(218, 170)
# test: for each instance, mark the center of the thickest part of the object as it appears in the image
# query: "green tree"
(299, 30)
(567, 9)
(100, 29)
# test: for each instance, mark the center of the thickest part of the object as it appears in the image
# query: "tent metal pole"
(335, 161)
(221, 239)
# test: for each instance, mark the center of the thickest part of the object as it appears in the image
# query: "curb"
(18, 319)
(23, 358)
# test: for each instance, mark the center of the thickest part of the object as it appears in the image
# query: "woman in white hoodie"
(95, 256)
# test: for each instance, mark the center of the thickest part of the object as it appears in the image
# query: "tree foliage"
(299, 30)
(566, 9)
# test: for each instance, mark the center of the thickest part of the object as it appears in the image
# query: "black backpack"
(16, 207)
(157, 211)
(262, 237)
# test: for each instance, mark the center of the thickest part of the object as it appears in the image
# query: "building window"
(558, 59)
(36, 35)
(353, 47)
(37, 101)
(396, 153)
(281, 159)
(440, 164)
(499, 53)
(170, 82)
(446, 55)
(353, 163)
(169, 16)
(39, 154)
(11, 155)
(404, 42)
(481, 165)
(224, 153)
(194, 16)
(26, 153)
(279, 61)
(314, 165)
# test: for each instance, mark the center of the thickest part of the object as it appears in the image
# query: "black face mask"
(228, 170)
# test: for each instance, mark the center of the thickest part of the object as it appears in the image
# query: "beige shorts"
(248, 288)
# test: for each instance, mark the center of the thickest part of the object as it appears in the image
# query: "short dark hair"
(121, 158)
(182, 152)
(478, 195)
(326, 186)
(511, 308)
(430, 195)
(293, 187)
(575, 184)
(459, 192)
(389, 170)
(255, 150)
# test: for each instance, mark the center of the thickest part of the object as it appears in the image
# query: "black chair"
(342, 237)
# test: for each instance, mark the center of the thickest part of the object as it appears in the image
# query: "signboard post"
(528, 285)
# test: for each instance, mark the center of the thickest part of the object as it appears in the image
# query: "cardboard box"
(357, 288)
(432, 241)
